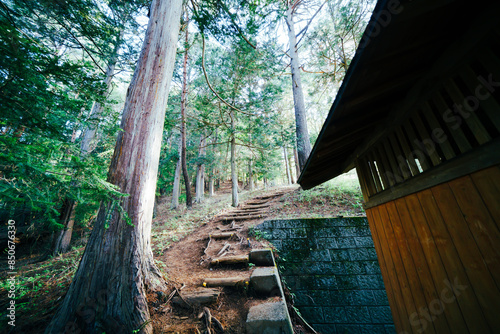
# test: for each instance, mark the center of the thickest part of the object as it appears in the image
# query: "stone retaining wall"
(331, 267)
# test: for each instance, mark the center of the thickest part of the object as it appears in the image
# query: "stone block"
(363, 241)
(312, 298)
(266, 281)
(262, 257)
(357, 315)
(324, 282)
(390, 329)
(320, 255)
(339, 254)
(341, 297)
(347, 283)
(269, 318)
(324, 329)
(380, 314)
(370, 282)
(326, 243)
(380, 297)
(354, 268)
(372, 267)
(362, 297)
(345, 243)
(335, 315)
(312, 314)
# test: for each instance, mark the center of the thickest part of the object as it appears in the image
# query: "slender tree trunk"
(200, 172)
(303, 144)
(290, 168)
(211, 190)
(62, 238)
(288, 176)
(108, 292)
(187, 183)
(175, 192)
(234, 171)
(296, 160)
(251, 185)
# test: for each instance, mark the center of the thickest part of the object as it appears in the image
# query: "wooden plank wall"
(439, 251)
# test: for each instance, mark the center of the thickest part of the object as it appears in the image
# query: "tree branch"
(304, 30)
(208, 81)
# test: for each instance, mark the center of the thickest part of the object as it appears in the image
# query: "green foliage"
(51, 72)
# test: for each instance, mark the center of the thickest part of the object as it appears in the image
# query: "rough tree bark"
(187, 183)
(303, 144)
(108, 292)
(62, 238)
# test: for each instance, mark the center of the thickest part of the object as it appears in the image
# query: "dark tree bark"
(108, 292)
(187, 183)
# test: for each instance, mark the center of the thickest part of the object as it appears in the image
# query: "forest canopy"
(65, 67)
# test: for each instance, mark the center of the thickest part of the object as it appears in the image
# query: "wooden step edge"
(246, 212)
(221, 235)
(242, 218)
(196, 297)
(226, 260)
(226, 281)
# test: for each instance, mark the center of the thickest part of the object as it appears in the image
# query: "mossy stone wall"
(331, 267)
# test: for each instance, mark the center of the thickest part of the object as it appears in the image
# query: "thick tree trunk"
(108, 292)
(303, 144)
(187, 183)
(177, 182)
(200, 172)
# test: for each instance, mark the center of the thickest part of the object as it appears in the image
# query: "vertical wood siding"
(439, 252)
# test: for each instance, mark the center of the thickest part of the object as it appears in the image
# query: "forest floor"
(179, 238)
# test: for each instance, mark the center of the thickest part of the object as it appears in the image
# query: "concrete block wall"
(331, 267)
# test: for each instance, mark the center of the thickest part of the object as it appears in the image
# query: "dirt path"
(188, 265)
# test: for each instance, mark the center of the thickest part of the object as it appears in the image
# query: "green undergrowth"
(338, 197)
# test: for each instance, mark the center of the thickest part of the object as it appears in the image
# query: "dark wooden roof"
(381, 75)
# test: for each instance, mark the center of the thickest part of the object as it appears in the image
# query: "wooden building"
(418, 116)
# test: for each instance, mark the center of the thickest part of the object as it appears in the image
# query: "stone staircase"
(257, 274)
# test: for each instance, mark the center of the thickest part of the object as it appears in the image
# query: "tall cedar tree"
(108, 292)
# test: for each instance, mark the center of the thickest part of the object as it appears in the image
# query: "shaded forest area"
(248, 85)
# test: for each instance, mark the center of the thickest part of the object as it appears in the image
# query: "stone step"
(262, 257)
(269, 318)
(265, 281)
